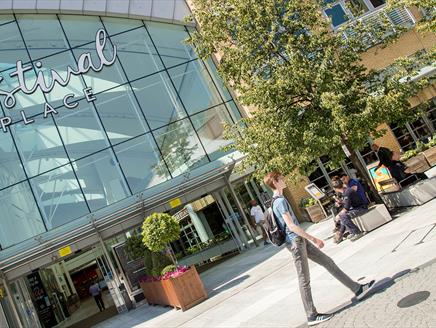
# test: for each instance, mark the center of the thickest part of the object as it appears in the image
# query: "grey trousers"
(302, 250)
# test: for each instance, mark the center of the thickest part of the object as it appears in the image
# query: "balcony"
(395, 19)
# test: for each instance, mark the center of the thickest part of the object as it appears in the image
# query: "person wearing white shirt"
(256, 214)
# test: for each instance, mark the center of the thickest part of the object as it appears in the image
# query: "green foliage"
(168, 268)
(307, 202)
(420, 147)
(159, 261)
(158, 230)
(135, 249)
(312, 92)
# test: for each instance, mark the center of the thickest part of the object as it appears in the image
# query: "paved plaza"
(259, 288)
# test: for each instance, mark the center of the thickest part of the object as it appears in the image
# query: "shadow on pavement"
(379, 287)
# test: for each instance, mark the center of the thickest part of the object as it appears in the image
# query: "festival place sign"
(84, 64)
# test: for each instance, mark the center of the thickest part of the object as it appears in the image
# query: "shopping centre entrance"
(58, 295)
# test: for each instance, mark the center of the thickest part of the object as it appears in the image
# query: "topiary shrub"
(159, 261)
(158, 230)
(135, 248)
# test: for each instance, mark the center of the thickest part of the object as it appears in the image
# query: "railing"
(397, 18)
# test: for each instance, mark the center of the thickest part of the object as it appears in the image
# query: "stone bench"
(376, 216)
(416, 194)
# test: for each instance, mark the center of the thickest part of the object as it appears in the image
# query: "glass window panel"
(158, 100)
(217, 79)
(12, 47)
(234, 111)
(337, 14)
(141, 163)
(20, 219)
(119, 25)
(169, 40)
(43, 34)
(101, 179)
(109, 76)
(210, 127)
(194, 86)
(80, 130)
(11, 170)
(119, 124)
(31, 104)
(135, 47)
(180, 147)
(59, 63)
(39, 145)
(59, 196)
(80, 29)
(6, 19)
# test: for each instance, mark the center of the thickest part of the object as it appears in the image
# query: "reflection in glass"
(101, 179)
(180, 147)
(158, 100)
(59, 196)
(118, 25)
(170, 43)
(43, 34)
(11, 170)
(210, 128)
(80, 29)
(234, 111)
(120, 114)
(217, 79)
(141, 163)
(194, 86)
(39, 145)
(80, 130)
(337, 14)
(20, 218)
(12, 47)
(137, 53)
(109, 76)
(31, 105)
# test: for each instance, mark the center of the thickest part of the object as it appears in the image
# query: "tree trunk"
(363, 172)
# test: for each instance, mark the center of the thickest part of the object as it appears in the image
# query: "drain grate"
(413, 299)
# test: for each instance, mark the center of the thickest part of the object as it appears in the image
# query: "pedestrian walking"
(95, 291)
(304, 246)
(256, 215)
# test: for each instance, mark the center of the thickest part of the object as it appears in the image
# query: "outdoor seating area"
(415, 194)
(376, 216)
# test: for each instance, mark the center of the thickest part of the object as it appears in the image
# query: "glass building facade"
(153, 114)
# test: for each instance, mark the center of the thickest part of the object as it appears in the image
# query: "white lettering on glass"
(83, 65)
(72, 104)
(49, 109)
(25, 119)
(89, 95)
(4, 122)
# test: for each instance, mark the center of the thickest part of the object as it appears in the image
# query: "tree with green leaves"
(312, 93)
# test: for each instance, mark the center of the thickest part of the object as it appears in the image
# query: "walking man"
(95, 291)
(256, 214)
(304, 246)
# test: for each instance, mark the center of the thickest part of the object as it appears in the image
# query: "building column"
(5, 283)
(257, 192)
(69, 280)
(196, 221)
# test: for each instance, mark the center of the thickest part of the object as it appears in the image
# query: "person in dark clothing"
(396, 168)
(353, 205)
(356, 186)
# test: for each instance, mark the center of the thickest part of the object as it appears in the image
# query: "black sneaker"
(364, 290)
(312, 321)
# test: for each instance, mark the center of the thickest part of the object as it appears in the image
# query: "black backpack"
(274, 232)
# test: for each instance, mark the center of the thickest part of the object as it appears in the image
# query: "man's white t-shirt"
(257, 212)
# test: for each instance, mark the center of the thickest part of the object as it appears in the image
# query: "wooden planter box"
(315, 213)
(417, 164)
(182, 292)
(430, 155)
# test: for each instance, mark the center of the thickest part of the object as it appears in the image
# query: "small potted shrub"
(168, 284)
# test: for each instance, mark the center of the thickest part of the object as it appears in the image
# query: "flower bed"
(181, 289)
